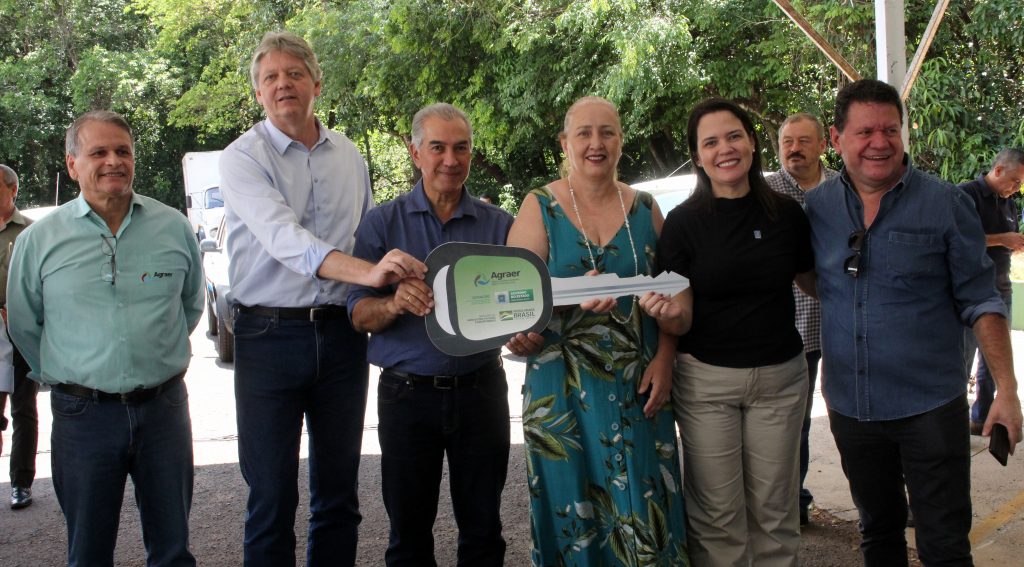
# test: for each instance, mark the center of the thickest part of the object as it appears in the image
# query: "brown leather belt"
(135, 397)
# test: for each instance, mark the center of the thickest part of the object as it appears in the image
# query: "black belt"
(135, 397)
(446, 381)
(322, 313)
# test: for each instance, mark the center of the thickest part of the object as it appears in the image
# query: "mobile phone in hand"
(999, 443)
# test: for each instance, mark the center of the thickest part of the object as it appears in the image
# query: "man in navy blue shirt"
(429, 403)
(900, 268)
(991, 193)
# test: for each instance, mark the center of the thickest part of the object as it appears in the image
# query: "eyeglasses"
(109, 268)
(852, 264)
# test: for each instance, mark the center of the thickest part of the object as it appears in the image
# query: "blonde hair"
(566, 167)
(284, 42)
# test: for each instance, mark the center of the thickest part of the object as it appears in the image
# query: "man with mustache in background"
(801, 144)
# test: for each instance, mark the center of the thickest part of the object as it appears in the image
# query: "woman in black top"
(739, 389)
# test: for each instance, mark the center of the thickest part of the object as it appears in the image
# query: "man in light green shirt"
(102, 295)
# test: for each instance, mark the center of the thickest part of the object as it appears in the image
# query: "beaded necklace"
(586, 239)
(629, 232)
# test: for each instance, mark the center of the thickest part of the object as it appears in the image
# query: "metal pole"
(891, 47)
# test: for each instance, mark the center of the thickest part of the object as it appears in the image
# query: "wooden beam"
(820, 42)
(922, 48)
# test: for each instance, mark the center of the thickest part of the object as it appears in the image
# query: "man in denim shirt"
(901, 268)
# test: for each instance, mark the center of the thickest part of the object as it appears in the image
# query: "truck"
(203, 201)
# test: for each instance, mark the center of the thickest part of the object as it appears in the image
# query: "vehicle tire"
(211, 320)
(225, 342)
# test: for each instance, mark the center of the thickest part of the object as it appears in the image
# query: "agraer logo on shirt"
(155, 275)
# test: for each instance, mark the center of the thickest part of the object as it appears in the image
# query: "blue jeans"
(931, 453)
(96, 445)
(287, 370)
(984, 385)
(813, 357)
(419, 424)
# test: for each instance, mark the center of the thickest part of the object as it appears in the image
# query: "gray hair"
(285, 42)
(71, 140)
(1008, 157)
(799, 116)
(441, 110)
(10, 177)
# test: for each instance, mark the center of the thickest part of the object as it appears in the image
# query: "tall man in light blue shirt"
(102, 296)
(294, 193)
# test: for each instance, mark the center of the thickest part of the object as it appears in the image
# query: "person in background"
(432, 404)
(900, 270)
(6, 376)
(992, 193)
(740, 388)
(801, 145)
(602, 465)
(24, 414)
(101, 298)
(294, 193)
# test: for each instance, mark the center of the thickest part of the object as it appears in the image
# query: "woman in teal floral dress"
(602, 464)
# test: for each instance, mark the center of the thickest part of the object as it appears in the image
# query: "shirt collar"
(986, 189)
(17, 218)
(420, 203)
(82, 208)
(282, 141)
(822, 176)
(844, 176)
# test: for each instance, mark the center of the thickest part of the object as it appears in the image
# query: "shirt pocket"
(153, 276)
(915, 254)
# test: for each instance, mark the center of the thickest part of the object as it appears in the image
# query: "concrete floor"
(998, 492)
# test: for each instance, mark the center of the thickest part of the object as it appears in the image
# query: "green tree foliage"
(178, 69)
(966, 105)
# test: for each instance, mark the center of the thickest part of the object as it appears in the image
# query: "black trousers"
(420, 425)
(930, 455)
(25, 417)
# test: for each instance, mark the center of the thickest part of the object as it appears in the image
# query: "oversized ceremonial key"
(485, 294)
(573, 291)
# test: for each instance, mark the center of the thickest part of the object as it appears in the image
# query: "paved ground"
(36, 536)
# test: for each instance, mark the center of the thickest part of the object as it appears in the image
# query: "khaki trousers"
(741, 446)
